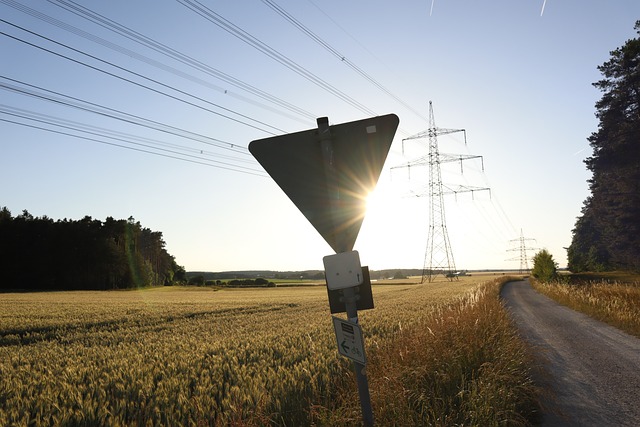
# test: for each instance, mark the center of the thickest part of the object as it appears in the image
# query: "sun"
(392, 231)
(381, 205)
(378, 240)
(375, 202)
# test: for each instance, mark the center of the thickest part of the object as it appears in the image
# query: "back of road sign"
(364, 299)
(330, 187)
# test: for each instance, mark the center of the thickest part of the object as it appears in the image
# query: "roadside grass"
(627, 277)
(462, 364)
(441, 354)
(613, 298)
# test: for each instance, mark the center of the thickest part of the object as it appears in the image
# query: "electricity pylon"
(438, 255)
(524, 256)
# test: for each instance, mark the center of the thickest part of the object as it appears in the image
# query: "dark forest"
(607, 234)
(38, 253)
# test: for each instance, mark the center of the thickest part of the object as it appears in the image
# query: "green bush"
(545, 268)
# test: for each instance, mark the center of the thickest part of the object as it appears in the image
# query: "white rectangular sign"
(350, 342)
(343, 270)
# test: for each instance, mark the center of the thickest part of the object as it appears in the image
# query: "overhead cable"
(138, 83)
(82, 134)
(205, 154)
(164, 50)
(264, 48)
(342, 58)
(69, 101)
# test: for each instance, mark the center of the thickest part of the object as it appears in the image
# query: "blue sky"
(516, 76)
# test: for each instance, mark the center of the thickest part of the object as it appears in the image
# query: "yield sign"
(328, 172)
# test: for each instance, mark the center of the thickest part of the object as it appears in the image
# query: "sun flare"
(381, 204)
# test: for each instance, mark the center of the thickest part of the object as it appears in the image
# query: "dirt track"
(589, 372)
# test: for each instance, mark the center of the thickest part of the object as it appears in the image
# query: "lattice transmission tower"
(438, 258)
(523, 252)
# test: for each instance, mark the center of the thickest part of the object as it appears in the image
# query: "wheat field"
(616, 303)
(192, 356)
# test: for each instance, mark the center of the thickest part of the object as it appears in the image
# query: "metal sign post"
(344, 268)
(343, 271)
(327, 173)
(361, 375)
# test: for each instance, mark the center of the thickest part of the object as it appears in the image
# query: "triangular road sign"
(328, 172)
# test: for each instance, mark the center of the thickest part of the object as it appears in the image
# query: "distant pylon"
(524, 256)
(438, 255)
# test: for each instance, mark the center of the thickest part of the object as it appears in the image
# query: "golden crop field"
(189, 356)
(608, 300)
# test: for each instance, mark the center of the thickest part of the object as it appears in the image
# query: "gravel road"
(589, 372)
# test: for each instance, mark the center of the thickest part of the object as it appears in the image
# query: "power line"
(348, 34)
(71, 6)
(69, 124)
(162, 49)
(172, 154)
(193, 104)
(50, 96)
(72, 102)
(342, 58)
(262, 47)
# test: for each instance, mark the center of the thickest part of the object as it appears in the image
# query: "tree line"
(40, 253)
(607, 234)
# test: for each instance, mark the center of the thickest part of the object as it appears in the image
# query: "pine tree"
(607, 235)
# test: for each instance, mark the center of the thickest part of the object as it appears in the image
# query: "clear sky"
(200, 80)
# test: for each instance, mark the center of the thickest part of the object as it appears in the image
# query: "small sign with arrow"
(349, 338)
